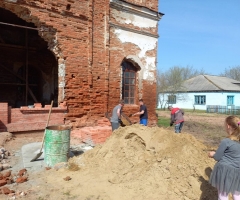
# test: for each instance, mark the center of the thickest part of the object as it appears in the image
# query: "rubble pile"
(8, 178)
(4, 154)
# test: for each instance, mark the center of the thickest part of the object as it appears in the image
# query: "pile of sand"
(152, 163)
(136, 162)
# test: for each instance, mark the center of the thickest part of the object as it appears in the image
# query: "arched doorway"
(28, 70)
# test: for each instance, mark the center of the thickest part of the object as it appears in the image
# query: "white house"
(204, 92)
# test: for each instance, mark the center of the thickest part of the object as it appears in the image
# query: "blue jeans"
(178, 127)
(144, 122)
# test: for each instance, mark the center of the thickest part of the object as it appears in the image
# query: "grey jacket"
(177, 116)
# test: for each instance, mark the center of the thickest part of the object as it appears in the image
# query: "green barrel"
(56, 144)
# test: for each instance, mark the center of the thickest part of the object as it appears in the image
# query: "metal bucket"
(56, 144)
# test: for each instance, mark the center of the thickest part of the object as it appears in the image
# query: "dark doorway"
(28, 70)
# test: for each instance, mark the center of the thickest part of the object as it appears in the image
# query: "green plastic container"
(56, 144)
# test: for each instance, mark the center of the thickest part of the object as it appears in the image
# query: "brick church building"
(85, 55)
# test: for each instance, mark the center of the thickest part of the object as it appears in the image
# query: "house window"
(172, 99)
(200, 100)
(230, 100)
(128, 82)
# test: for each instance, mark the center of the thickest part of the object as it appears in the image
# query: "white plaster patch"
(150, 66)
(145, 43)
(61, 70)
(14, 1)
(136, 20)
(61, 76)
(61, 84)
(148, 75)
(151, 63)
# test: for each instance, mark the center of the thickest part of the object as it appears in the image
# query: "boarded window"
(128, 82)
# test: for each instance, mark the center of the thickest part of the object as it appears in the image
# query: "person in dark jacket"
(143, 114)
(176, 118)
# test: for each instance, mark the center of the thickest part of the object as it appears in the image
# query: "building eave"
(135, 9)
(133, 30)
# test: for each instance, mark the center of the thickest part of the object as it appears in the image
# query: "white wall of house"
(187, 100)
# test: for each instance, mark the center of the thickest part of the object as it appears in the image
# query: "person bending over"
(176, 118)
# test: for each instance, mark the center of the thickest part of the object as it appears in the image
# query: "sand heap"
(151, 163)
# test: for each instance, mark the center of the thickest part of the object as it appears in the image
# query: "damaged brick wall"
(68, 37)
(134, 33)
(153, 4)
(90, 48)
(3, 116)
(25, 119)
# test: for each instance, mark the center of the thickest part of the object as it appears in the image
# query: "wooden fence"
(229, 110)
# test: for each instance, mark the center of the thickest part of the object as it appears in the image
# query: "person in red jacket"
(176, 118)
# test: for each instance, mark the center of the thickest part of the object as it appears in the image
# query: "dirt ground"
(136, 162)
(206, 127)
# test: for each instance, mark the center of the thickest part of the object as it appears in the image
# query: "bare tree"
(162, 85)
(171, 82)
(232, 72)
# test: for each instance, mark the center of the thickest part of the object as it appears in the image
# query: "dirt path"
(206, 127)
(135, 163)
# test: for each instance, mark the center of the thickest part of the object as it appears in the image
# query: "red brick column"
(3, 116)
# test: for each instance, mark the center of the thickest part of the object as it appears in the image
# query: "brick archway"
(135, 60)
(47, 33)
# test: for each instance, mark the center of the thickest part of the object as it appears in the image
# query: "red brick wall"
(29, 119)
(92, 70)
(148, 91)
(150, 100)
(151, 4)
(100, 58)
(3, 116)
(93, 135)
(34, 119)
(73, 36)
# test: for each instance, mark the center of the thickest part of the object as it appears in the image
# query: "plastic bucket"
(56, 144)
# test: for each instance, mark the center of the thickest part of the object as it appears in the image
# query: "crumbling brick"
(6, 190)
(21, 179)
(89, 61)
(3, 182)
(7, 174)
(22, 172)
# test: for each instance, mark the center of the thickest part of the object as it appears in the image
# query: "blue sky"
(203, 34)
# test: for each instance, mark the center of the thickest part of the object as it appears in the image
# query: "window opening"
(172, 99)
(200, 100)
(128, 82)
(230, 100)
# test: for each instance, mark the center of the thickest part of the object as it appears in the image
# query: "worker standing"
(143, 113)
(176, 118)
(116, 115)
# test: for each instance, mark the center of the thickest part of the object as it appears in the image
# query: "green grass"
(185, 110)
(163, 121)
(194, 111)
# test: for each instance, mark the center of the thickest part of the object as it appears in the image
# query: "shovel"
(40, 153)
